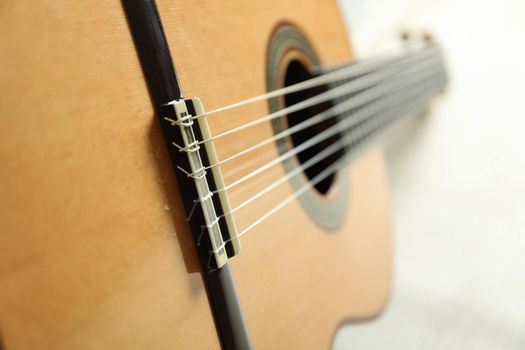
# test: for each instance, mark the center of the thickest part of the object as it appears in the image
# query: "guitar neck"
(385, 95)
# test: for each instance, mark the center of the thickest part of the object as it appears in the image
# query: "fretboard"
(402, 87)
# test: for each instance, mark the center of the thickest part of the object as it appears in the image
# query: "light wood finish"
(96, 253)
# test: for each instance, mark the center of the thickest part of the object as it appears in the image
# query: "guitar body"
(96, 249)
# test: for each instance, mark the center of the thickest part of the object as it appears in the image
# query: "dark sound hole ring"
(289, 61)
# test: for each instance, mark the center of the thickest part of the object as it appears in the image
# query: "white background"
(457, 180)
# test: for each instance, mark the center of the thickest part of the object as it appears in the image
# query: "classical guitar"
(194, 174)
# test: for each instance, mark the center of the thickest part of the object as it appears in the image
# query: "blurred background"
(457, 181)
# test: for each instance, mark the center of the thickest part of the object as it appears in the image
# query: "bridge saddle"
(202, 159)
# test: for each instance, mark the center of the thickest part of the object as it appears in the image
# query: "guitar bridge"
(199, 162)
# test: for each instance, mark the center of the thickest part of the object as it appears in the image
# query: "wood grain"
(96, 250)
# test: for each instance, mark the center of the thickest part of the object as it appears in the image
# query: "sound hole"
(290, 57)
(296, 72)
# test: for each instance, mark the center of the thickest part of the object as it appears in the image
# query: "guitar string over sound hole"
(292, 59)
(297, 72)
